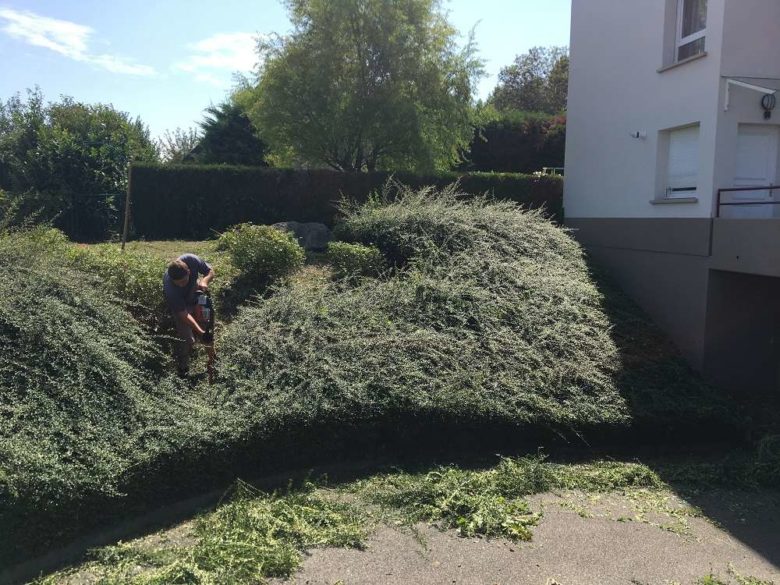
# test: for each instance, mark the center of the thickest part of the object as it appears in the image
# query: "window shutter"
(683, 160)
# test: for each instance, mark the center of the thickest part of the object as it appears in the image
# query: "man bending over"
(180, 285)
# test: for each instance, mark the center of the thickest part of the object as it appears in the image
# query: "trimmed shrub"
(351, 260)
(493, 318)
(261, 254)
(86, 416)
(262, 251)
(194, 201)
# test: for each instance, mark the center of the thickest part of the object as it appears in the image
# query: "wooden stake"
(127, 208)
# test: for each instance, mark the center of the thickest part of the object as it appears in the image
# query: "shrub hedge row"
(193, 201)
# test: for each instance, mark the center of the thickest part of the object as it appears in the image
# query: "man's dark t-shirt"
(179, 297)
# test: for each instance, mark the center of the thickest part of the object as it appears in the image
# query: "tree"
(229, 138)
(175, 146)
(67, 161)
(365, 85)
(536, 81)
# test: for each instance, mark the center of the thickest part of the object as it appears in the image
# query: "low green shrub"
(35, 242)
(87, 413)
(261, 252)
(351, 260)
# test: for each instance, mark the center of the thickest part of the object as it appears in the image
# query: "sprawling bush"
(86, 408)
(76, 374)
(493, 316)
(135, 277)
(353, 260)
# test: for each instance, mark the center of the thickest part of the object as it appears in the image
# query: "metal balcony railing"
(721, 203)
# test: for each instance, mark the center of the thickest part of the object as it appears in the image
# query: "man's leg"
(212, 357)
(183, 348)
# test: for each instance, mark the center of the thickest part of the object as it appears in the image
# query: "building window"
(682, 176)
(691, 27)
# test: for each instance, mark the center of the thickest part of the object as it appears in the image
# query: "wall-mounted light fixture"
(768, 102)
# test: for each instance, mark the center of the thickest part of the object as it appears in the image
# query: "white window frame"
(681, 41)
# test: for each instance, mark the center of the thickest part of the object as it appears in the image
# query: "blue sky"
(166, 60)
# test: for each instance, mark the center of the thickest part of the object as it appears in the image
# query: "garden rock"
(312, 236)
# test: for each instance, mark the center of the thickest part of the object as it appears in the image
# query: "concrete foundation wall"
(688, 275)
(670, 288)
(742, 350)
(662, 265)
(750, 246)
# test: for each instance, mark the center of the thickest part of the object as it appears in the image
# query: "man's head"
(179, 272)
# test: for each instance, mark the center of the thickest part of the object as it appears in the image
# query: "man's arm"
(186, 317)
(207, 271)
(204, 282)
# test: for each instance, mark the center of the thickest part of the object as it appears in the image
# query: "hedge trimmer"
(204, 315)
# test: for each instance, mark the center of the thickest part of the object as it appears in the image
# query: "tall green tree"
(537, 81)
(229, 137)
(365, 85)
(67, 161)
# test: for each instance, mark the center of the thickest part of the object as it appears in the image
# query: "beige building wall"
(712, 284)
(615, 88)
(750, 38)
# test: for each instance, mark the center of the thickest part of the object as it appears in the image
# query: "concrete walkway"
(581, 540)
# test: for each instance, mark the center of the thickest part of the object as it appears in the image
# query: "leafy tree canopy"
(536, 81)
(176, 145)
(514, 141)
(366, 85)
(66, 160)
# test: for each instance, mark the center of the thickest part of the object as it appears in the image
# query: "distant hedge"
(193, 201)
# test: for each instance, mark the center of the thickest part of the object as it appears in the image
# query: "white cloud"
(220, 54)
(64, 37)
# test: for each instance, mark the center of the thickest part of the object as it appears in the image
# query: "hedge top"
(195, 201)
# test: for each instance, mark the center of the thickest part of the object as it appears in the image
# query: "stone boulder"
(312, 236)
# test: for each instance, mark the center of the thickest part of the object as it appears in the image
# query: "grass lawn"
(169, 249)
